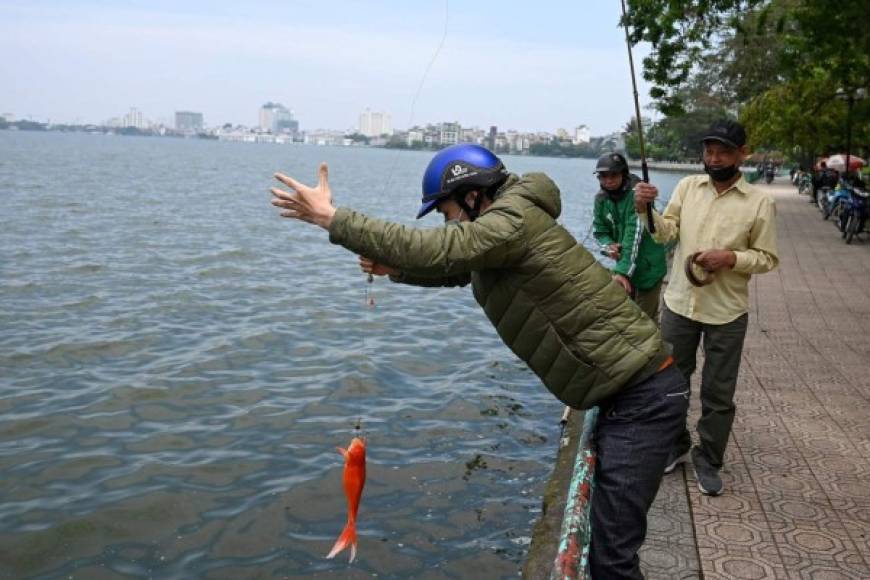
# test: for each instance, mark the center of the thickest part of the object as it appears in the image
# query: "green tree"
(805, 118)
(783, 64)
(682, 34)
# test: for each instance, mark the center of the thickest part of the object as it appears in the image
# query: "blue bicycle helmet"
(462, 166)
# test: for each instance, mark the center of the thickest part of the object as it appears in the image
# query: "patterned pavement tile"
(666, 561)
(760, 563)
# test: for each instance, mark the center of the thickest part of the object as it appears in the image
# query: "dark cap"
(726, 131)
(611, 162)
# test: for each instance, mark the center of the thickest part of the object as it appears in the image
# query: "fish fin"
(347, 538)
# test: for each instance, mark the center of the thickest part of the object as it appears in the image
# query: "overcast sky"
(519, 65)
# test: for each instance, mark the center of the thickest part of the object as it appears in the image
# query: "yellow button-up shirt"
(742, 219)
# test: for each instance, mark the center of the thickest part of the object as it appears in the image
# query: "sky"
(528, 66)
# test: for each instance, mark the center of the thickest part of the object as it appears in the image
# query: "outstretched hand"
(309, 204)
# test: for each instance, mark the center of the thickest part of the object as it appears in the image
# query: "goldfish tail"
(347, 538)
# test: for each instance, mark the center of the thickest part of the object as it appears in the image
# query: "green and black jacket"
(550, 301)
(642, 260)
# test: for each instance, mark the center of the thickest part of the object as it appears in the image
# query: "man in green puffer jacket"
(551, 303)
(640, 261)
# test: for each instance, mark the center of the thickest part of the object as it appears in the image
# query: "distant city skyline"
(275, 118)
(521, 68)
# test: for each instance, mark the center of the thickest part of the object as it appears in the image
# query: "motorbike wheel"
(840, 213)
(843, 222)
(852, 228)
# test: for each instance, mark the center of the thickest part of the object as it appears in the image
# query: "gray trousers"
(723, 345)
(649, 301)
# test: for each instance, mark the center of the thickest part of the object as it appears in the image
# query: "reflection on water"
(178, 364)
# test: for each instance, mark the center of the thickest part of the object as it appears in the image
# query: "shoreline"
(255, 139)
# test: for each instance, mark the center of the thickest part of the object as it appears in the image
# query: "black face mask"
(721, 174)
(618, 190)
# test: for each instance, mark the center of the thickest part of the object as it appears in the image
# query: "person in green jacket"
(552, 304)
(641, 264)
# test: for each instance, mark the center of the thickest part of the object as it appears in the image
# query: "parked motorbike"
(833, 200)
(805, 183)
(854, 214)
(822, 195)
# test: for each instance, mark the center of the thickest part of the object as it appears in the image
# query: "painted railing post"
(572, 558)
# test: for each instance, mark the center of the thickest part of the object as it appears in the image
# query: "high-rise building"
(134, 118)
(493, 133)
(581, 135)
(374, 124)
(188, 121)
(449, 133)
(415, 136)
(276, 118)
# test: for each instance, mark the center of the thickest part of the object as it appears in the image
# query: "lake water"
(178, 365)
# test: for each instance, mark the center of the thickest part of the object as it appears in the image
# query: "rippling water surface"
(178, 364)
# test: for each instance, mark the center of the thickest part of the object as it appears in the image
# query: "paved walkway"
(797, 476)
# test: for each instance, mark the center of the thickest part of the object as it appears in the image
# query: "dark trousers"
(635, 431)
(723, 345)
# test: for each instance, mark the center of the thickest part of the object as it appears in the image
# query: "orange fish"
(354, 480)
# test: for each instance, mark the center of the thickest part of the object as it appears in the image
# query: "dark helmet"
(458, 168)
(611, 162)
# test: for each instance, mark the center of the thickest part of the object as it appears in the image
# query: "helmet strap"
(473, 212)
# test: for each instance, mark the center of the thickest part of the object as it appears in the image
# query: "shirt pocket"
(732, 233)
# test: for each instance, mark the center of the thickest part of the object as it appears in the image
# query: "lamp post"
(850, 96)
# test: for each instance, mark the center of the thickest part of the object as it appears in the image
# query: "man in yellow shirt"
(726, 229)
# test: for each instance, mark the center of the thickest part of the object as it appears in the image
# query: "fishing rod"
(643, 166)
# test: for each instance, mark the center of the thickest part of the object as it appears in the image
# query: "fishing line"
(420, 89)
(370, 303)
(370, 279)
(369, 295)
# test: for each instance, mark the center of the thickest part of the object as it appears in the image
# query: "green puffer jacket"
(614, 221)
(549, 299)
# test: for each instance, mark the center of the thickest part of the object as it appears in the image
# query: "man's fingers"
(288, 202)
(705, 261)
(324, 176)
(289, 181)
(280, 193)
